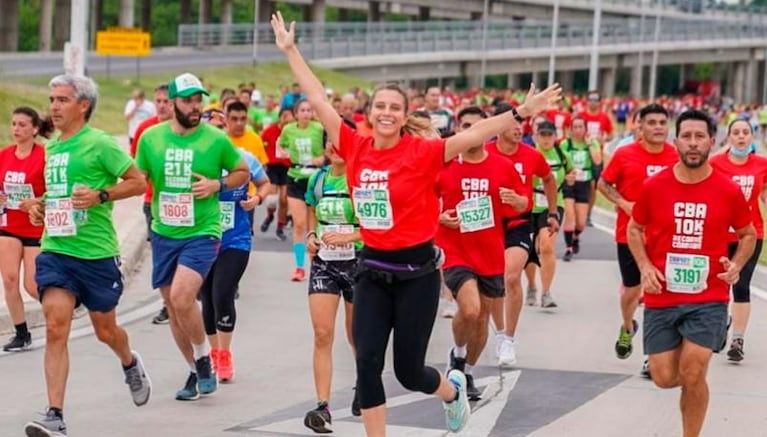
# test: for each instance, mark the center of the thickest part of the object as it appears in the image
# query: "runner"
(218, 291)
(392, 177)
(242, 137)
(79, 263)
(303, 141)
(621, 184)
(277, 170)
(599, 126)
(586, 154)
(561, 164)
(334, 244)
(21, 170)
(184, 161)
(679, 237)
(475, 189)
(748, 171)
(164, 113)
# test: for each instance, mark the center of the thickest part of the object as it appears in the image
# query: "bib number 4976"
(373, 208)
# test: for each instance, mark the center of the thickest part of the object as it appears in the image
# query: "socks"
(509, 338)
(201, 350)
(322, 404)
(459, 351)
(735, 335)
(57, 411)
(21, 329)
(131, 365)
(280, 225)
(193, 368)
(299, 253)
(569, 238)
(467, 369)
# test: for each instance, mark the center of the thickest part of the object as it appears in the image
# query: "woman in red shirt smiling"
(392, 177)
(22, 175)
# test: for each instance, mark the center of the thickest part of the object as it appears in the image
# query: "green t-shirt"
(93, 158)
(302, 145)
(169, 161)
(334, 206)
(581, 155)
(263, 117)
(560, 169)
(762, 115)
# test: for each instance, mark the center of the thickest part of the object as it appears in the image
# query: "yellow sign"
(123, 42)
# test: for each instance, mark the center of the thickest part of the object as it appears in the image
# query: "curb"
(131, 254)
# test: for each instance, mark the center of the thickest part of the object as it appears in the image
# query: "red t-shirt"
(146, 124)
(408, 173)
(750, 178)
(561, 119)
(529, 162)
(481, 250)
(686, 219)
(271, 137)
(17, 176)
(597, 124)
(628, 168)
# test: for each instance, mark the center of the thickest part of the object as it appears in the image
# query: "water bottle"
(80, 215)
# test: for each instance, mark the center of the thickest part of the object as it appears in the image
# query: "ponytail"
(419, 126)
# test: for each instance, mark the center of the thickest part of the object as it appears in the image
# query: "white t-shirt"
(255, 96)
(145, 111)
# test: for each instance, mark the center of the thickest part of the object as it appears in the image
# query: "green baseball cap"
(185, 85)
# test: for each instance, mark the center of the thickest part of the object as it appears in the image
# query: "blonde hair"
(416, 126)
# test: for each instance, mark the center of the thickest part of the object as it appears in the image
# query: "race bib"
(60, 218)
(476, 214)
(594, 129)
(540, 200)
(333, 252)
(686, 273)
(227, 215)
(373, 208)
(581, 175)
(177, 209)
(16, 193)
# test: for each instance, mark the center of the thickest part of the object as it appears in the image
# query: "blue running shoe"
(207, 382)
(457, 412)
(189, 392)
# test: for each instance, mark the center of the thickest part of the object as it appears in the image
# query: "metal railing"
(329, 40)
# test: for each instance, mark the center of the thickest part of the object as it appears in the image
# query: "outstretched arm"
(311, 86)
(485, 129)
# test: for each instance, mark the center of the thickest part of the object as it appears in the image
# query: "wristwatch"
(516, 115)
(554, 215)
(103, 196)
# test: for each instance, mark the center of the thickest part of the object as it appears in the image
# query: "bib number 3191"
(686, 273)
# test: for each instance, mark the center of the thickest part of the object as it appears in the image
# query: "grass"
(115, 92)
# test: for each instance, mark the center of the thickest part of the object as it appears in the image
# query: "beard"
(695, 164)
(185, 119)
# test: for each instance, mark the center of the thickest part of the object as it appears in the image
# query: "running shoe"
(138, 381)
(623, 346)
(531, 296)
(51, 425)
(547, 301)
(280, 233)
(508, 354)
(224, 367)
(18, 343)
(724, 339)
(214, 356)
(298, 275)
(458, 411)
(267, 222)
(189, 392)
(735, 353)
(645, 372)
(319, 420)
(568, 256)
(206, 377)
(576, 245)
(356, 409)
(471, 390)
(589, 223)
(455, 363)
(449, 310)
(499, 338)
(162, 317)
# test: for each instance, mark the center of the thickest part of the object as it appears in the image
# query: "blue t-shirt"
(235, 221)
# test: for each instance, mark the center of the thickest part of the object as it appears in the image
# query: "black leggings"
(741, 290)
(217, 293)
(409, 308)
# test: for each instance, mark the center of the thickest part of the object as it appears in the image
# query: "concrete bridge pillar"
(635, 85)
(736, 79)
(46, 25)
(686, 72)
(265, 11)
(125, 18)
(607, 81)
(749, 91)
(374, 11)
(315, 12)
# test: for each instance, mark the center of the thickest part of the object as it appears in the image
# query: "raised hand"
(539, 102)
(284, 37)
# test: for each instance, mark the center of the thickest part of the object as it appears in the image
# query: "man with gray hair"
(79, 263)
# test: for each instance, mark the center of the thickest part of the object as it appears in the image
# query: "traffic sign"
(123, 42)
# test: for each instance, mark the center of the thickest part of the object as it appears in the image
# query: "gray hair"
(84, 87)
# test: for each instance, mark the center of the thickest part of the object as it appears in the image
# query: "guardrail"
(365, 39)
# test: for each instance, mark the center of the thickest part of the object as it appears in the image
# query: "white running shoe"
(450, 309)
(507, 356)
(457, 412)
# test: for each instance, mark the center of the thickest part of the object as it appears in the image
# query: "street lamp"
(594, 65)
(255, 32)
(483, 63)
(554, 34)
(654, 66)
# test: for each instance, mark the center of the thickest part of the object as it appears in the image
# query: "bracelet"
(516, 115)
(306, 237)
(221, 184)
(554, 215)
